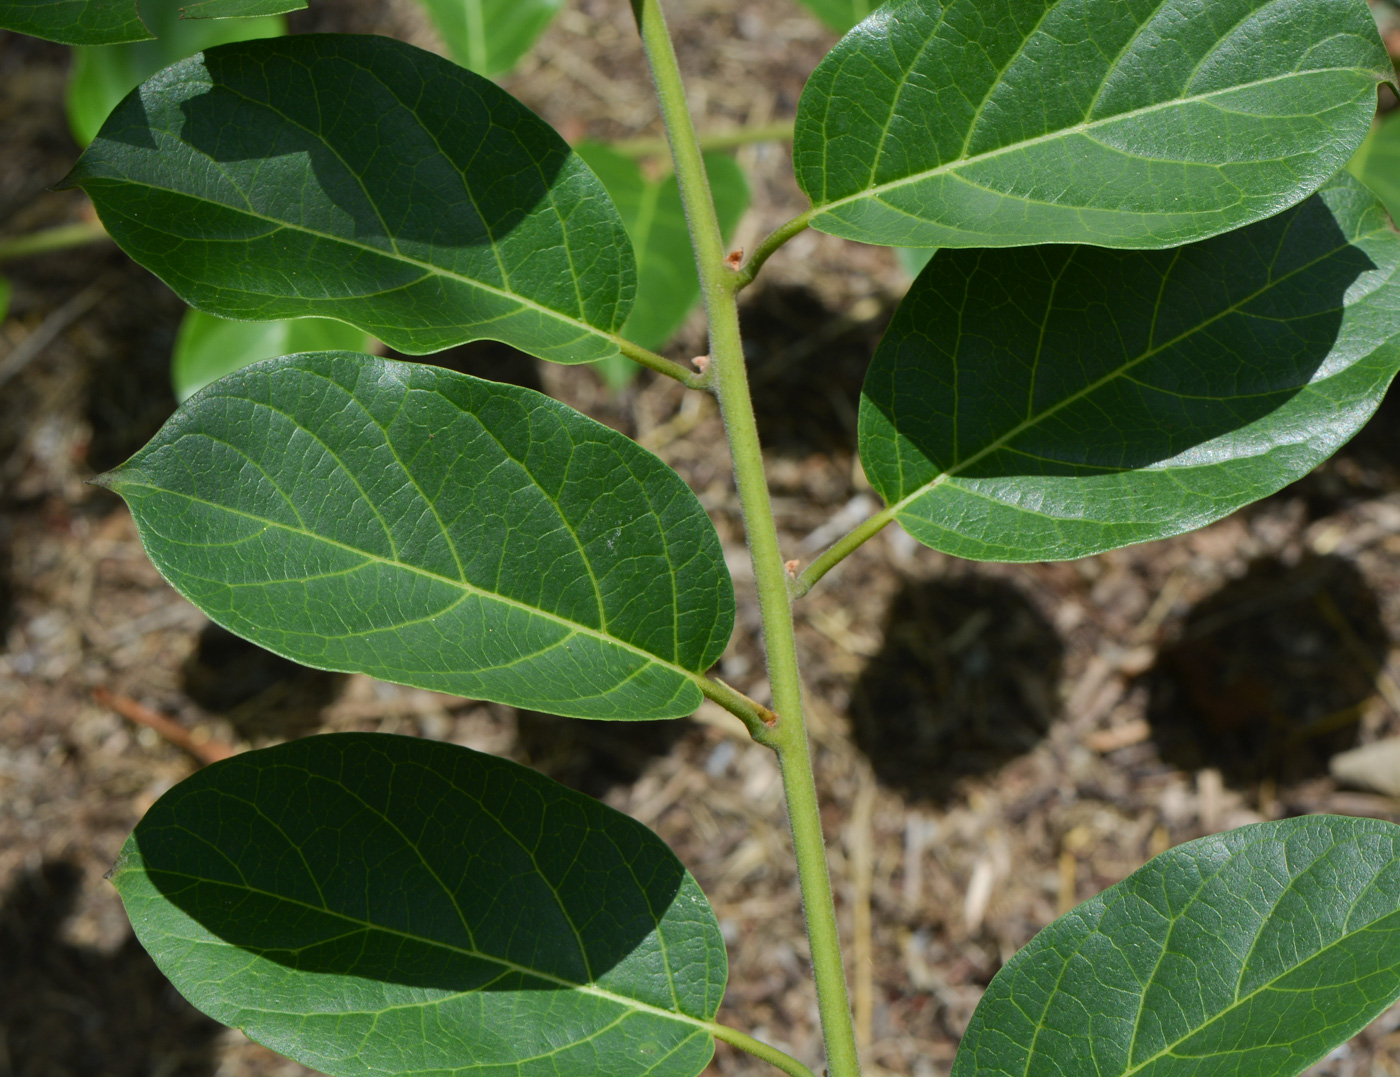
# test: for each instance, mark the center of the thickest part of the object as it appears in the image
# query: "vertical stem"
(789, 736)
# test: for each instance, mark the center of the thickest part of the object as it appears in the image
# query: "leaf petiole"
(759, 1049)
(839, 550)
(58, 238)
(652, 361)
(767, 246)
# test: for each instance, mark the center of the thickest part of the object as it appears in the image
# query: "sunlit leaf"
(1251, 953)
(1133, 123)
(360, 178)
(426, 527)
(1051, 402)
(237, 9)
(377, 905)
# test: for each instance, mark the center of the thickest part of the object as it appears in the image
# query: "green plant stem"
(659, 363)
(51, 239)
(838, 551)
(710, 140)
(759, 1049)
(789, 734)
(770, 243)
(758, 718)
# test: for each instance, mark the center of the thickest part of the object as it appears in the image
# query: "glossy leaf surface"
(1377, 163)
(75, 22)
(379, 905)
(1251, 953)
(363, 179)
(102, 75)
(490, 36)
(426, 527)
(668, 285)
(1134, 123)
(208, 347)
(1052, 402)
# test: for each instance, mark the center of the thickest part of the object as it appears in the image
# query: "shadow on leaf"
(1269, 677)
(964, 683)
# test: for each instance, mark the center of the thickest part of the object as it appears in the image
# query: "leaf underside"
(1048, 403)
(373, 905)
(363, 179)
(426, 527)
(1248, 954)
(75, 22)
(238, 9)
(490, 36)
(1140, 123)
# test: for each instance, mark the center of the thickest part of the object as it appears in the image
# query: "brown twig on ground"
(205, 751)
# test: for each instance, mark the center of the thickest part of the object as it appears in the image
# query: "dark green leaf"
(489, 36)
(668, 285)
(239, 9)
(425, 527)
(75, 22)
(362, 179)
(208, 347)
(103, 75)
(1130, 123)
(1251, 953)
(377, 905)
(1052, 402)
(7, 291)
(1377, 163)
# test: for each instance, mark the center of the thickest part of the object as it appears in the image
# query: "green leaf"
(1251, 953)
(1121, 123)
(668, 285)
(208, 347)
(378, 905)
(1377, 163)
(490, 36)
(841, 15)
(7, 291)
(362, 179)
(75, 22)
(103, 75)
(239, 9)
(426, 527)
(1052, 402)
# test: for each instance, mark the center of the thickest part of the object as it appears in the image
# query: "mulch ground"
(993, 743)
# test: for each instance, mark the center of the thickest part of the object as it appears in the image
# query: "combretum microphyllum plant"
(1158, 296)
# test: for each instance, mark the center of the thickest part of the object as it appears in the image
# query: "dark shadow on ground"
(262, 696)
(129, 394)
(1269, 674)
(806, 365)
(489, 359)
(965, 682)
(74, 1010)
(593, 757)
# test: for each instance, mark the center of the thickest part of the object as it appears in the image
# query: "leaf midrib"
(428, 267)
(1001, 442)
(1064, 132)
(462, 585)
(366, 925)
